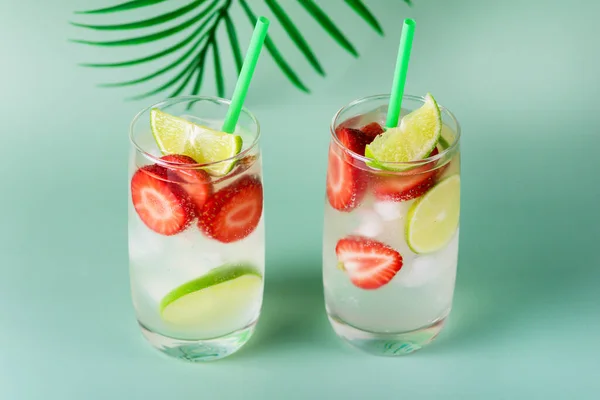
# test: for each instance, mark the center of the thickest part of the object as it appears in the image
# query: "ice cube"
(144, 244)
(425, 268)
(147, 142)
(189, 255)
(156, 286)
(380, 114)
(420, 271)
(376, 115)
(389, 210)
(370, 224)
(188, 266)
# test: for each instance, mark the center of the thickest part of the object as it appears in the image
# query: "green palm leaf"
(161, 19)
(199, 74)
(220, 84)
(191, 51)
(130, 5)
(272, 49)
(188, 69)
(235, 44)
(161, 71)
(326, 23)
(363, 11)
(151, 57)
(197, 62)
(165, 69)
(155, 36)
(185, 82)
(295, 34)
(212, 39)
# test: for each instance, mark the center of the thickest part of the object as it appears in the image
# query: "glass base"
(387, 344)
(199, 350)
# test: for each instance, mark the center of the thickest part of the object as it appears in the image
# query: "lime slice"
(447, 137)
(432, 219)
(215, 299)
(413, 140)
(176, 135)
(454, 166)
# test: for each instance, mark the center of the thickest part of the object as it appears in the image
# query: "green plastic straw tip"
(243, 82)
(408, 31)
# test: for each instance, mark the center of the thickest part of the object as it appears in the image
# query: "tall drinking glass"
(196, 232)
(390, 245)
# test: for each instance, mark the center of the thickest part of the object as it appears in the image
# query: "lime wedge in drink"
(447, 137)
(413, 140)
(433, 219)
(176, 135)
(222, 295)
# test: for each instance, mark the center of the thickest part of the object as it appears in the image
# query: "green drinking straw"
(243, 82)
(408, 31)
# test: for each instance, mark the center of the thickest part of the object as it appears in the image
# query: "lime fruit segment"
(176, 135)
(433, 219)
(215, 299)
(447, 137)
(415, 138)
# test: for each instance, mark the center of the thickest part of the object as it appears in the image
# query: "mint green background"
(521, 76)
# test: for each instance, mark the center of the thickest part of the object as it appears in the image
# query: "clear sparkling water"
(158, 264)
(419, 295)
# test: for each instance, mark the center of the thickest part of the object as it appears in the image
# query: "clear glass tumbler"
(390, 244)
(196, 235)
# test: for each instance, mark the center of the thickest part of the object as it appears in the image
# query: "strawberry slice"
(346, 184)
(408, 185)
(353, 139)
(164, 207)
(195, 182)
(233, 212)
(369, 264)
(371, 130)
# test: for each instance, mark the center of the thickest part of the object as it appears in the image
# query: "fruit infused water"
(390, 245)
(196, 230)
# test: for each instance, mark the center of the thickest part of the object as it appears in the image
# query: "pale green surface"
(522, 78)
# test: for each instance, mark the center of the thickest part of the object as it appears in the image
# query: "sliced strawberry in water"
(353, 139)
(196, 182)
(164, 207)
(372, 130)
(346, 183)
(233, 212)
(403, 187)
(370, 264)
(407, 185)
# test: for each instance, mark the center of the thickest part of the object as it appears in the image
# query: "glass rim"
(400, 164)
(181, 99)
